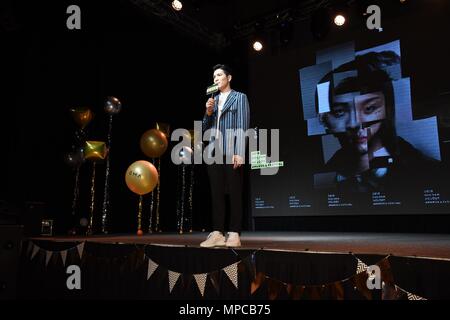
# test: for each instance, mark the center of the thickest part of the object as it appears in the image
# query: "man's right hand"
(209, 106)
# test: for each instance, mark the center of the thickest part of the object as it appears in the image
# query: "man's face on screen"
(356, 119)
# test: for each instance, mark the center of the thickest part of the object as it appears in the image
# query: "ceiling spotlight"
(339, 20)
(257, 46)
(177, 5)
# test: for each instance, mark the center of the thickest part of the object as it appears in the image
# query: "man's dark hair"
(371, 75)
(226, 69)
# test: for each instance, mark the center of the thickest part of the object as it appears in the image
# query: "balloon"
(141, 177)
(186, 155)
(113, 105)
(75, 158)
(82, 116)
(198, 147)
(84, 222)
(164, 128)
(95, 150)
(195, 136)
(153, 143)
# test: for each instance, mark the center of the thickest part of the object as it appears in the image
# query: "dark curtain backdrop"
(158, 75)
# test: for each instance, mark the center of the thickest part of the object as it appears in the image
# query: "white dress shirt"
(222, 98)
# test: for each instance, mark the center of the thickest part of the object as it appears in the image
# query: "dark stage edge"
(431, 246)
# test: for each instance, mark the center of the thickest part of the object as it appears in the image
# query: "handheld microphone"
(212, 89)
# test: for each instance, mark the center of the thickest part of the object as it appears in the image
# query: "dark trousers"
(224, 179)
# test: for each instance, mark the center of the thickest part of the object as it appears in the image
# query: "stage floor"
(436, 246)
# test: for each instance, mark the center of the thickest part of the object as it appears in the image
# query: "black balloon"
(75, 158)
(113, 105)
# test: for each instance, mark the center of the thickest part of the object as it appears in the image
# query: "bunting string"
(275, 287)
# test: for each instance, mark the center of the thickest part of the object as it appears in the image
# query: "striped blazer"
(235, 115)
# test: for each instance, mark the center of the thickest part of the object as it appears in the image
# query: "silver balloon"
(186, 155)
(113, 105)
(198, 147)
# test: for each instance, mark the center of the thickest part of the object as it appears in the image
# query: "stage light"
(339, 20)
(177, 5)
(257, 46)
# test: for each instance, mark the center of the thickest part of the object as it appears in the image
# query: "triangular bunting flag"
(390, 292)
(200, 279)
(48, 256)
(173, 278)
(359, 282)
(361, 267)
(80, 249)
(152, 266)
(64, 256)
(231, 272)
(35, 251)
(414, 297)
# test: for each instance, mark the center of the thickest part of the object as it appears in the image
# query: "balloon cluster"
(142, 176)
(82, 117)
(93, 151)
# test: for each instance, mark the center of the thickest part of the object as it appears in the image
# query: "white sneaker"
(233, 240)
(215, 239)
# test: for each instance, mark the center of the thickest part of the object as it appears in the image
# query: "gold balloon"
(141, 177)
(153, 143)
(194, 136)
(164, 128)
(95, 150)
(82, 116)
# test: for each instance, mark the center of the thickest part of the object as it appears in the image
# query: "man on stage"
(227, 117)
